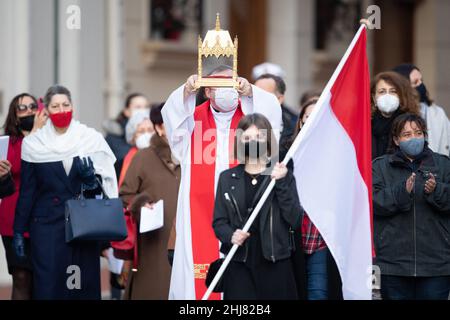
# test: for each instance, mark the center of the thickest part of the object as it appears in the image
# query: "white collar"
(222, 117)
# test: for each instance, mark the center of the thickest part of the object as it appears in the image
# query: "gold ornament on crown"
(217, 43)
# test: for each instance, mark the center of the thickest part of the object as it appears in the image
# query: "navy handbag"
(95, 219)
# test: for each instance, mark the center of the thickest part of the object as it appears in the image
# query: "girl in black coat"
(262, 268)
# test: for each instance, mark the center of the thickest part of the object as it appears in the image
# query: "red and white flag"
(332, 161)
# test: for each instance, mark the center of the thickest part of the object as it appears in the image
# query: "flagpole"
(328, 87)
(286, 159)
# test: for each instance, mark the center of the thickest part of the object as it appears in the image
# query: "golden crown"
(217, 43)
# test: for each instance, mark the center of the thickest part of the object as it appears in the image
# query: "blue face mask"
(412, 147)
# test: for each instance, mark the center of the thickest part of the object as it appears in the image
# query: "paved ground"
(5, 289)
(5, 280)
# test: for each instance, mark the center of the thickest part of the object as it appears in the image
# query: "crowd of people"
(209, 189)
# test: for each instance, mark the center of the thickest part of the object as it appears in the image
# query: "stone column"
(82, 59)
(69, 52)
(290, 44)
(42, 46)
(114, 94)
(14, 53)
(432, 48)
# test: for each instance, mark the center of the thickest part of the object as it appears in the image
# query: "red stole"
(205, 246)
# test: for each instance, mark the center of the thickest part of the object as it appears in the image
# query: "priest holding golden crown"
(201, 138)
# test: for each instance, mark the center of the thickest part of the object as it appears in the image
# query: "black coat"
(289, 119)
(381, 132)
(412, 231)
(7, 186)
(279, 216)
(118, 144)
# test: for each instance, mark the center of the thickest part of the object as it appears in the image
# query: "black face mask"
(26, 123)
(255, 149)
(422, 90)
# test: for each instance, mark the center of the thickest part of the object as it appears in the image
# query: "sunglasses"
(24, 107)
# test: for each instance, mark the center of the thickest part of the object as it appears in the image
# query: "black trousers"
(267, 281)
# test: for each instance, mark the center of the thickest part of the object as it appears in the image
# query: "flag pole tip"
(365, 22)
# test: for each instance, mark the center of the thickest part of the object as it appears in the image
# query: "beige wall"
(432, 48)
(157, 68)
(290, 44)
(149, 78)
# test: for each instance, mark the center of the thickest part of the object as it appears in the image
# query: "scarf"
(47, 145)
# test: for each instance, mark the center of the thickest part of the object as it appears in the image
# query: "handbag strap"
(105, 195)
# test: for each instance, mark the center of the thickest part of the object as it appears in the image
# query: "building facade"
(103, 50)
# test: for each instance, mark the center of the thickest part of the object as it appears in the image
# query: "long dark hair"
(262, 123)
(409, 98)
(11, 125)
(305, 106)
(299, 123)
(405, 70)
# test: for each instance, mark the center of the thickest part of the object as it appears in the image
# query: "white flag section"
(333, 168)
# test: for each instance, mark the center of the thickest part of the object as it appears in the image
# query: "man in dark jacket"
(411, 200)
(7, 187)
(276, 85)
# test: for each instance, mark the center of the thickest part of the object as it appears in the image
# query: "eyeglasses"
(24, 107)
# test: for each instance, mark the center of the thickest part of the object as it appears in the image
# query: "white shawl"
(46, 145)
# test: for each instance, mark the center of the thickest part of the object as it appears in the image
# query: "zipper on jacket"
(236, 208)
(271, 234)
(292, 240)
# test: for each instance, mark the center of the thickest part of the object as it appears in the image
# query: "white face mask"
(388, 103)
(145, 111)
(143, 141)
(226, 99)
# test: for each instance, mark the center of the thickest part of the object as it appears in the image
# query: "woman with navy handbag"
(57, 160)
